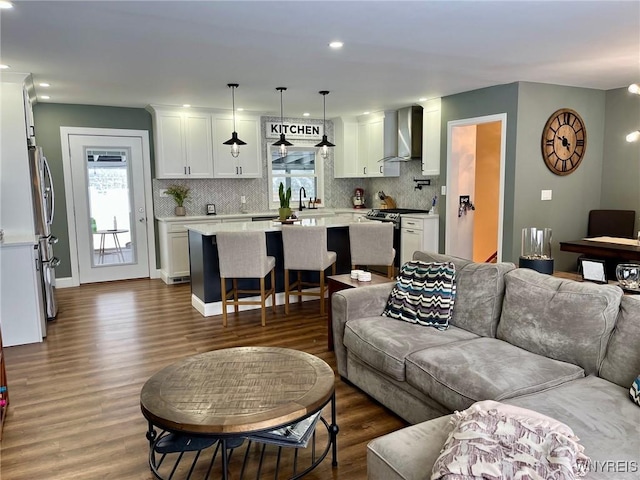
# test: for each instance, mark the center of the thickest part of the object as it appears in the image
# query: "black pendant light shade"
(234, 141)
(283, 143)
(324, 144)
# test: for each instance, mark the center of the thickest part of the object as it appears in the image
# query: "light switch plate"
(443, 190)
(163, 192)
(545, 194)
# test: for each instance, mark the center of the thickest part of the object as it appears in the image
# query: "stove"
(391, 214)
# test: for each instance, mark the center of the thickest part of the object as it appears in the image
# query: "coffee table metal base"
(185, 456)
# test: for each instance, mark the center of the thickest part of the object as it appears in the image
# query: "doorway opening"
(475, 188)
(109, 200)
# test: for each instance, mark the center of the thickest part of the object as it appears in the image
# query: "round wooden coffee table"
(224, 397)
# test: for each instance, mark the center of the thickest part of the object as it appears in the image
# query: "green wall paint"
(574, 194)
(480, 103)
(48, 118)
(621, 162)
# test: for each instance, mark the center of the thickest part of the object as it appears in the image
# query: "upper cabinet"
(361, 146)
(183, 140)
(249, 163)
(431, 137)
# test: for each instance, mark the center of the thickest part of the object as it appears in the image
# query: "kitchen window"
(301, 167)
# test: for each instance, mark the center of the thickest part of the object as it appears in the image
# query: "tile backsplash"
(226, 193)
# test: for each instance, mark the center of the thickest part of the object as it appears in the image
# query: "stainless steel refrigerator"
(43, 210)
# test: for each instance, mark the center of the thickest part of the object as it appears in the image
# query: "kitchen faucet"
(301, 192)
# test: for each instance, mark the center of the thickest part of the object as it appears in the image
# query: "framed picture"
(593, 270)
(211, 208)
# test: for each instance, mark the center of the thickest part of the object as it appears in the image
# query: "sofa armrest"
(355, 303)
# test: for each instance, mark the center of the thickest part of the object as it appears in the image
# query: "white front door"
(107, 175)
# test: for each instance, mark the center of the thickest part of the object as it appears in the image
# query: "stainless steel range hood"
(409, 135)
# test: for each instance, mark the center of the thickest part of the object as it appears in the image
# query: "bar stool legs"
(295, 288)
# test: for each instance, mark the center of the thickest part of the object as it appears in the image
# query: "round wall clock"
(564, 141)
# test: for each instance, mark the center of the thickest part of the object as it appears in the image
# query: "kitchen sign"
(307, 131)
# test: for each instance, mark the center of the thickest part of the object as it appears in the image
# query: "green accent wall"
(48, 118)
(480, 103)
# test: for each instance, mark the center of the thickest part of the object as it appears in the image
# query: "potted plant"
(179, 193)
(284, 211)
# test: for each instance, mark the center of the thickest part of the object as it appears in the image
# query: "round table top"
(237, 390)
(104, 232)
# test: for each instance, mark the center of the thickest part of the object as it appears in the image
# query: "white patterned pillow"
(634, 391)
(424, 293)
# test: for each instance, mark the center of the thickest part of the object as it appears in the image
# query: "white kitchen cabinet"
(377, 139)
(174, 250)
(431, 117)
(419, 232)
(249, 163)
(22, 313)
(345, 153)
(184, 147)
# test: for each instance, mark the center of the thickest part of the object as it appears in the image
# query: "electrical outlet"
(243, 199)
(163, 192)
(443, 190)
(545, 194)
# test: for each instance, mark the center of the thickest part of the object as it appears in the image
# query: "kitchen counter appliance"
(393, 215)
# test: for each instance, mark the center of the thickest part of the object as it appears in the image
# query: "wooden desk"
(342, 282)
(599, 249)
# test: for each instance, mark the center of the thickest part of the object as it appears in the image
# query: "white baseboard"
(215, 308)
(67, 282)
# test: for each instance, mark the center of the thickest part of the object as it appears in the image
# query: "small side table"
(342, 282)
(116, 242)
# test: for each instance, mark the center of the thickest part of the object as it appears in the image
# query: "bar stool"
(244, 255)
(371, 243)
(305, 248)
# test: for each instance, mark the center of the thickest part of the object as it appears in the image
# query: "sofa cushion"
(562, 319)
(408, 453)
(602, 417)
(384, 343)
(479, 292)
(459, 374)
(424, 294)
(622, 361)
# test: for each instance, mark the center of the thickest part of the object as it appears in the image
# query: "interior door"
(109, 203)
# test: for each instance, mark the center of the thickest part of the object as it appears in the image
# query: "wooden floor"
(74, 411)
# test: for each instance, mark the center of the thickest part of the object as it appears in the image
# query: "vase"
(284, 213)
(180, 211)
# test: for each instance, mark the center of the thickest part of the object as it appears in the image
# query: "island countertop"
(209, 229)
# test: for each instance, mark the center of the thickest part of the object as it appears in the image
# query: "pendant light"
(234, 141)
(324, 144)
(282, 143)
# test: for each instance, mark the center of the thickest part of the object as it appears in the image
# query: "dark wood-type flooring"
(75, 413)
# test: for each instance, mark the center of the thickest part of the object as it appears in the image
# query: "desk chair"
(244, 255)
(371, 243)
(305, 249)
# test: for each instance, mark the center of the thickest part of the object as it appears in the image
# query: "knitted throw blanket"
(491, 440)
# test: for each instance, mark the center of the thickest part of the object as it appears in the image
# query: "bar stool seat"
(371, 243)
(305, 249)
(244, 255)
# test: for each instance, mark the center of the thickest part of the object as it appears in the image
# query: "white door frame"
(74, 280)
(452, 194)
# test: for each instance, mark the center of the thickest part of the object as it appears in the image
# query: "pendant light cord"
(233, 106)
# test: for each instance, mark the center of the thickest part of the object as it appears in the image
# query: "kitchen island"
(203, 256)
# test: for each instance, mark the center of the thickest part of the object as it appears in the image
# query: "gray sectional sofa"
(567, 349)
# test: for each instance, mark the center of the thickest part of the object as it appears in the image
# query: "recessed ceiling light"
(240, 109)
(5, 5)
(45, 97)
(366, 113)
(186, 105)
(4, 67)
(45, 85)
(422, 99)
(306, 114)
(336, 44)
(634, 88)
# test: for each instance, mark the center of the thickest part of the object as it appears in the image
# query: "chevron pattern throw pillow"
(424, 294)
(634, 391)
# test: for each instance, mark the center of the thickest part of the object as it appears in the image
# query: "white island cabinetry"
(183, 140)
(174, 249)
(249, 163)
(419, 232)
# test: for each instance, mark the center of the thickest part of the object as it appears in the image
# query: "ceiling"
(132, 54)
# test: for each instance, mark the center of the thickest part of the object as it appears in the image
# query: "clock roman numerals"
(564, 141)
